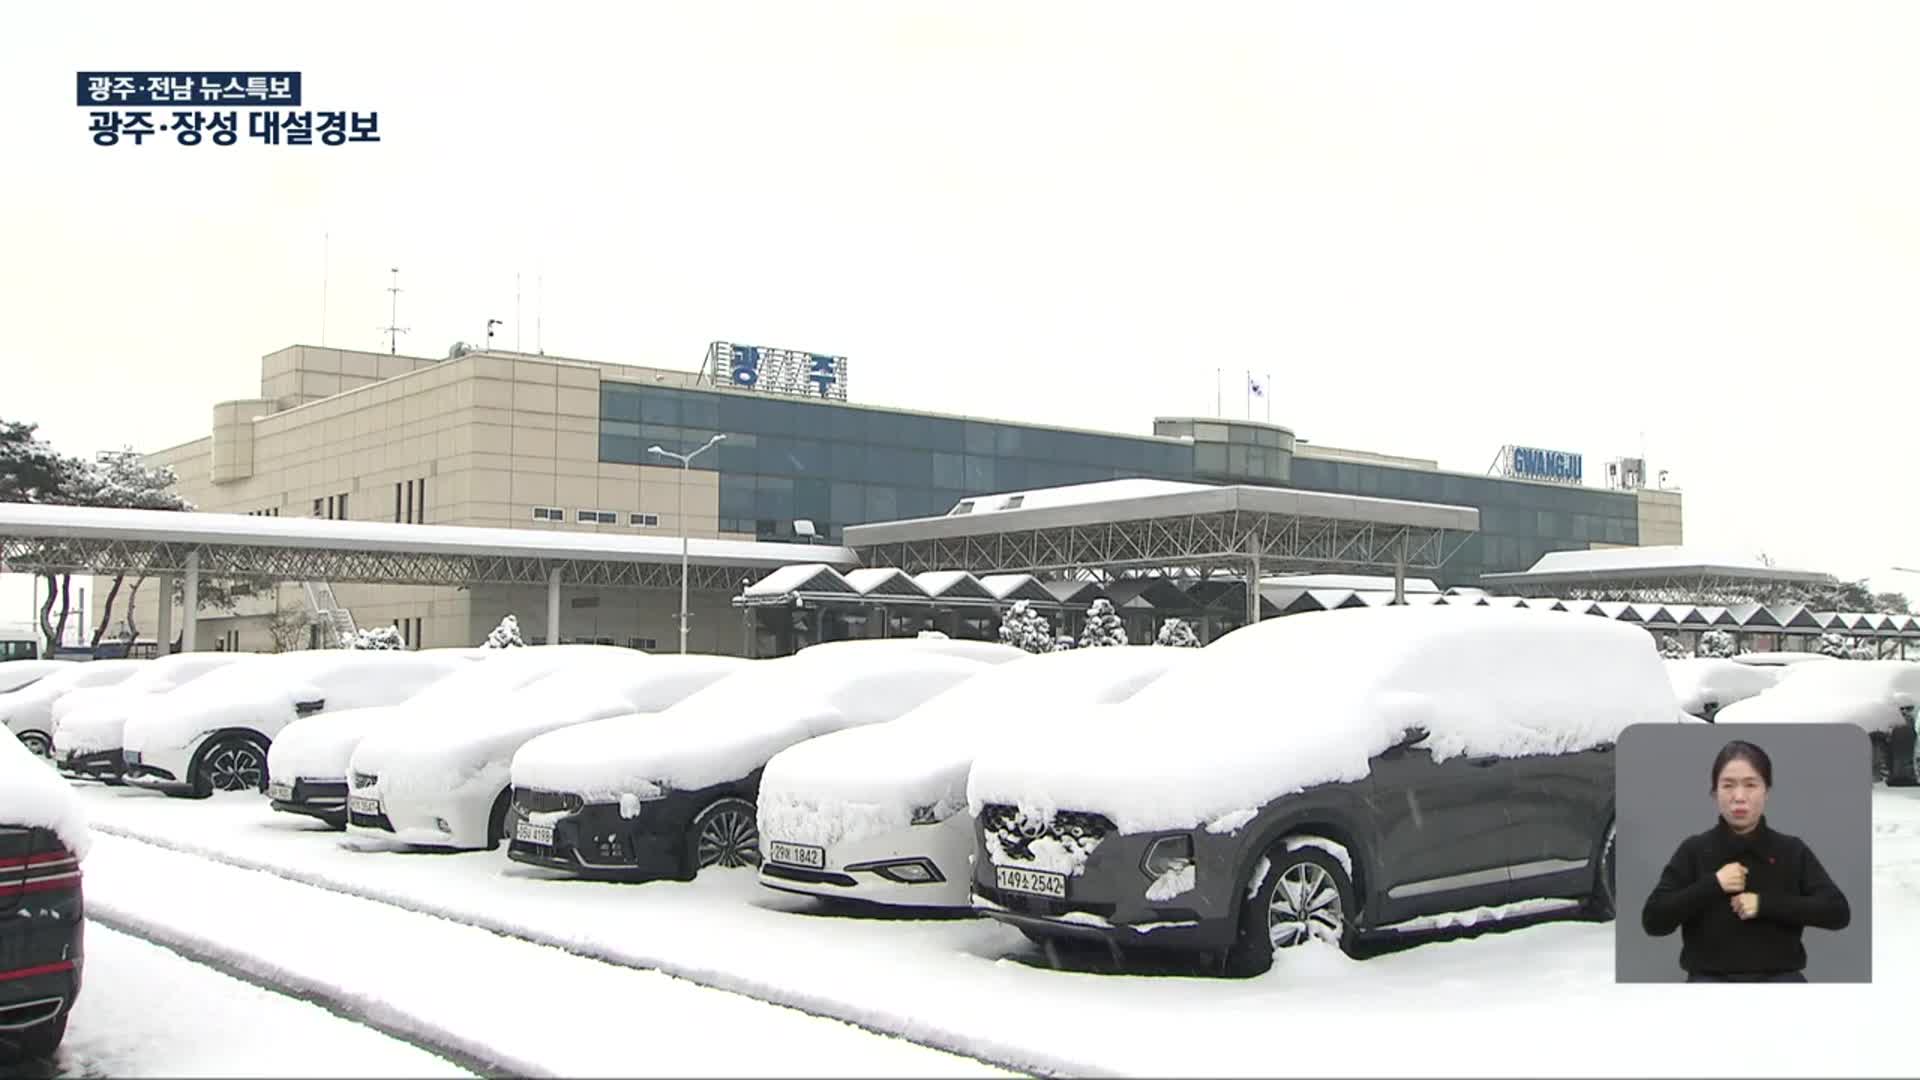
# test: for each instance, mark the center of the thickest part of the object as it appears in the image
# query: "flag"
(1256, 387)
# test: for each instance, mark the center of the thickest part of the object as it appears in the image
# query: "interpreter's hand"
(1746, 905)
(1733, 878)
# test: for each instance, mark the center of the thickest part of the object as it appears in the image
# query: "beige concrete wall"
(1660, 517)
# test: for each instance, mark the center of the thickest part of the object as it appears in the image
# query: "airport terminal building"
(513, 440)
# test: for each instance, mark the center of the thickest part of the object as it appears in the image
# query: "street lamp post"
(686, 465)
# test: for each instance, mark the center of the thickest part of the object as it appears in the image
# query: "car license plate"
(280, 790)
(1033, 882)
(360, 804)
(797, 854)
(528, 833)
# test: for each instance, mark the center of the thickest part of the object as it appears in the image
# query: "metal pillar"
(163, 634)
(553, 606)
(1400, 570)
(1253, 580)
(190, 601)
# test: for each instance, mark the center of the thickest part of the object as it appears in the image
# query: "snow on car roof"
(1866, 693)
(1700, 681)
(31, 794)
(1289, 703)
(880, 651)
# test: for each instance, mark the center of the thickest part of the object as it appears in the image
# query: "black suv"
(41, 930)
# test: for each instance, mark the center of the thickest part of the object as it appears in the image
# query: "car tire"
(497, 819)
(37, 743)
(725, 835)
(34, 1043)
(1306, 882)
(231, 763)
(1601, 904)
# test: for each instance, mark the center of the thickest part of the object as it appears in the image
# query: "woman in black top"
(1740, 893)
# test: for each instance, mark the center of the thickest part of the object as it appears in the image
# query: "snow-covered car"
(87, 723)
(213, 733)
(15, 674)
(878, 813)
(1704, 685)
(1878, 696)
(1781, 659)
(1323, 776)
(308, 762)
(443, 782)
(43, 837)
(641, 797)
(28, 711)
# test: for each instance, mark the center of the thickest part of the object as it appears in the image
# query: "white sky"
(1439, 227)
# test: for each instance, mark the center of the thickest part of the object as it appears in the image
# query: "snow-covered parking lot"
(268, 889)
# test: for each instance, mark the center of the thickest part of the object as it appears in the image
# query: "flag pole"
(1269, 397)
(1248, 392)
(1216, 391)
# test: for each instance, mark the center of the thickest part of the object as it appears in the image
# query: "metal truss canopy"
(1679, 589)
(1199, 542)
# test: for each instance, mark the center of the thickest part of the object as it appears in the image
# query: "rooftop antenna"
(393, 330)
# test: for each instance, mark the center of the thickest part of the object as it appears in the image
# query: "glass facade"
(836, 465)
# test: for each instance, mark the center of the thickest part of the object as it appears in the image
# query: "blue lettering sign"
(821, 373)
(746, 365)
(1555, 465)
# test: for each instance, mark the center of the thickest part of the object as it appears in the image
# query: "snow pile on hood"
(1281, 705)
(432, 757)
(1698, 683)
(730, 729)
(321, 746)
(870, 780)
(32, 794)
(261, 694)
(1866, 693)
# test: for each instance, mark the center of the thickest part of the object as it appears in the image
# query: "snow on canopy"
(33, 795)
(444, 753)
(808, 577)
(1866, 693)
(1279, 706)
(321, 746)
(1705, 681)
(732, 727)
(1076, 495)
(865, 781)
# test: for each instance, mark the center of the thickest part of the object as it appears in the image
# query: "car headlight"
(1166, 854)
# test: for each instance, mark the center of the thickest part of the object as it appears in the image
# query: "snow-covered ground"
(496, 1003)
(145, 1011)
(1527, 1001)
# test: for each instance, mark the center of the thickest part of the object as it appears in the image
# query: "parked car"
(16, 649)
(87, 724)
(28, 711)
(309, 760)
(1323, 776)
(213, 734)
(1878, 696)
(15, 674)
(638, 797)
(443, 782)
(1781, 659)
(1704, 686)
(43, 837)
(878, 813)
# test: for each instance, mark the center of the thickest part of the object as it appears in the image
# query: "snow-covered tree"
(1839, 645)
(1024, 628)
(1718, 644)
(1672, 648)
(377, 637)
(505, 636)
(1177, 633)
(1103, 626)
(30, 470)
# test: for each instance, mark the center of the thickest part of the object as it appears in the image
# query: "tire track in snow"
(985, 1052)
(474, 1058)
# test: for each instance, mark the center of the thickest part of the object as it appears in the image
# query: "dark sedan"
(41, 931)
(669, 837)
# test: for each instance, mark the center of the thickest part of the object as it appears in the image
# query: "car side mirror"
(308, 708)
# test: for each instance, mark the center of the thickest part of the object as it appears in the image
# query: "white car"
(213, 733)
(1877, 696)
(28, 711)
(443, 782)
(1780, 659)
(1704, 685)
(878, 814)
(15, 674)
(87, 724)
(307, 764)
(642, 797)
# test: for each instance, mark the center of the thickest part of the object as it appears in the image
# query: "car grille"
(365, 779)
(535, 801)
(817, 877)
(1074, 830)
